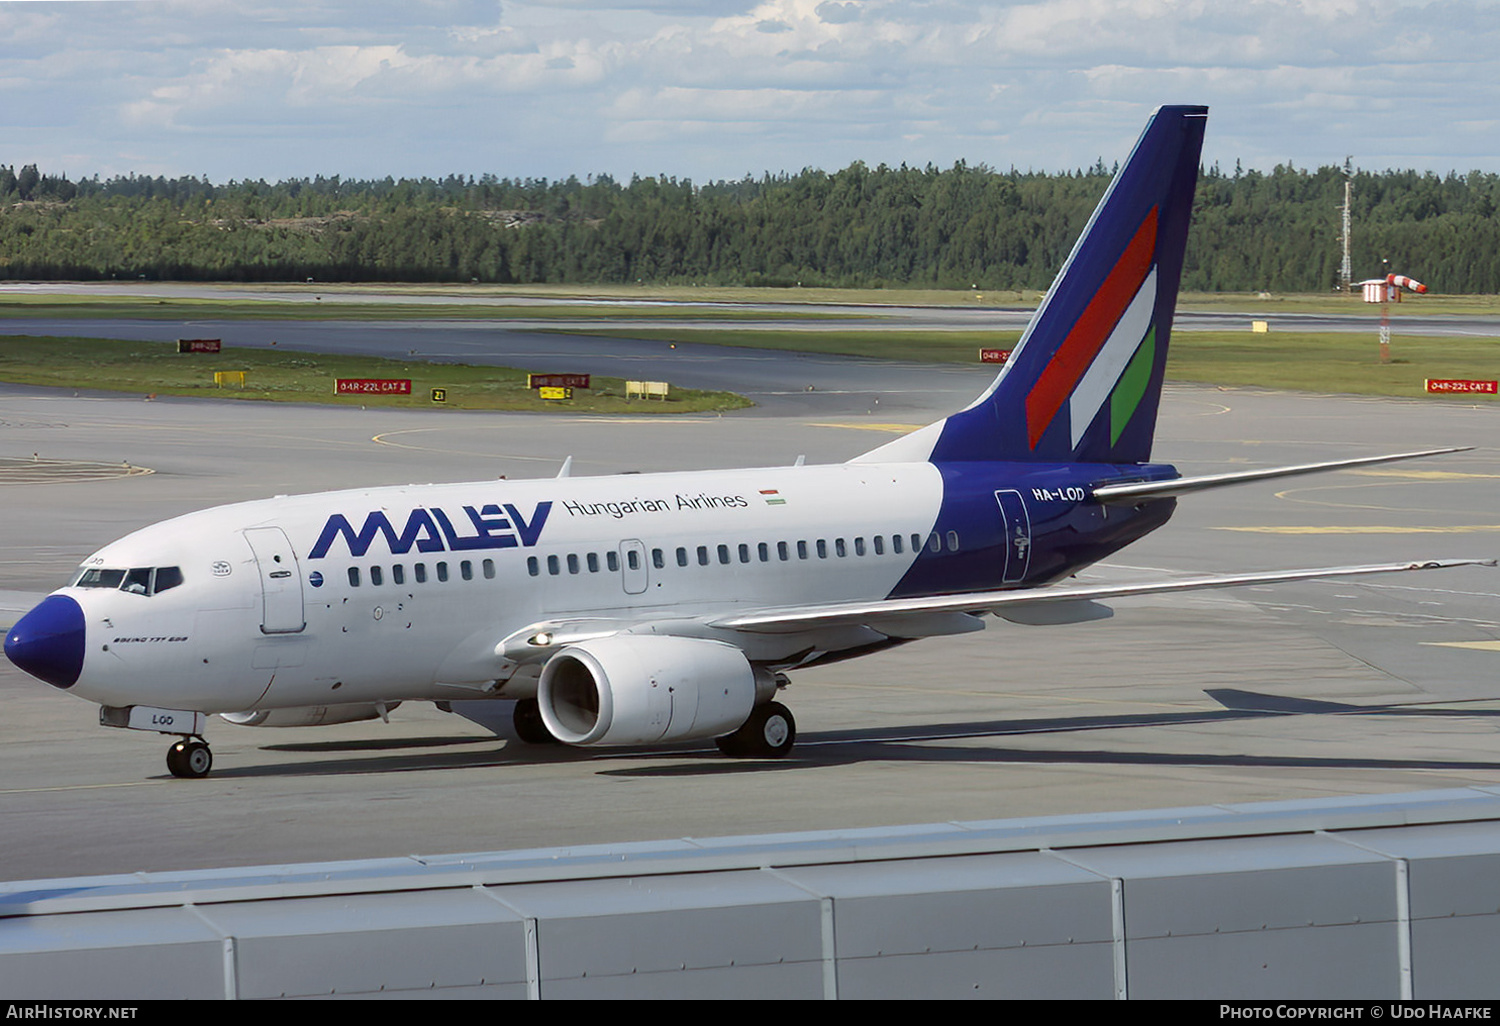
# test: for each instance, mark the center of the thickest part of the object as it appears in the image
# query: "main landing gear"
(190, 758)
(529, 725)
(769, 733)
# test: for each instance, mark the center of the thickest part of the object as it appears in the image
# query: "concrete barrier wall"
(1375, 898)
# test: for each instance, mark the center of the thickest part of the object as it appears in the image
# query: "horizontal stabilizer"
(1134, 491)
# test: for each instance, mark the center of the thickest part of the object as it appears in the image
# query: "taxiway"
(1293, 691)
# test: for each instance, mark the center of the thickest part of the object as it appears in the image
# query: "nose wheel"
(190, 759)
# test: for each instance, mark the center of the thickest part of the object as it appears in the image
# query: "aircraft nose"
(48, 641)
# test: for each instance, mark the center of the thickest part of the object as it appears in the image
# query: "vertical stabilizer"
(1083, 384)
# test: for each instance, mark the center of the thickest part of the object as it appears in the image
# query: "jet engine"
(639, 689)
(310, 715)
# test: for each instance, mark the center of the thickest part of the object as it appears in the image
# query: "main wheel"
(769, 733)
(189, 759)
(530, 727)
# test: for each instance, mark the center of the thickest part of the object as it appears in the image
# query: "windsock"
(1404, 282)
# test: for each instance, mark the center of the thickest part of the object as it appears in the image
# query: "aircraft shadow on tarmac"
(918, 744)
(895, 744)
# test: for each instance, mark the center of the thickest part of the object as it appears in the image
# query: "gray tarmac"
(1293, 691)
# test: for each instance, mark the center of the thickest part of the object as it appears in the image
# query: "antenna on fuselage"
(567, 468)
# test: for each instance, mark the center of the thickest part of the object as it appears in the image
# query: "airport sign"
(372, 386)
(1451, 386)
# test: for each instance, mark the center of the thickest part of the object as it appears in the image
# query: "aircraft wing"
(1070, 602)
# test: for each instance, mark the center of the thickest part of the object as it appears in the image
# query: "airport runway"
(1322, 689)
(989, 311)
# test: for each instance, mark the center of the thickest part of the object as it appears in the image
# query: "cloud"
(836, 13)
(714, 88)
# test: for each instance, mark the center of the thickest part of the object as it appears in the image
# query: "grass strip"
(1342, 362)
(290, 376)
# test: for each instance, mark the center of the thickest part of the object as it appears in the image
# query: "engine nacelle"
(639, 689)
(309, 715)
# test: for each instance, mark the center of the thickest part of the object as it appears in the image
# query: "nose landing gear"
(190, 759)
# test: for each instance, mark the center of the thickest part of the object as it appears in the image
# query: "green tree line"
(955, 227)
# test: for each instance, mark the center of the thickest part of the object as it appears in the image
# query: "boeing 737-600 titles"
(632, 610)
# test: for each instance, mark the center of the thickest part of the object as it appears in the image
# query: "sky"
(718, 89)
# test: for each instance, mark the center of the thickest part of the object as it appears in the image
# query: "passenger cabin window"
(354, 577)
(377, 576)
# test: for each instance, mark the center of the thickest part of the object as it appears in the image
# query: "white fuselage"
(385, 594)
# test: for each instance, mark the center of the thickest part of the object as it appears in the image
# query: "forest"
(884, 227)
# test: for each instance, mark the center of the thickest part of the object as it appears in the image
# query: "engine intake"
(639, 689)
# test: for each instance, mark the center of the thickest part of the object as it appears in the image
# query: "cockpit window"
(93, 577)
(145, 580)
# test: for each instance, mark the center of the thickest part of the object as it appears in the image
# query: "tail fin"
(1084, 383)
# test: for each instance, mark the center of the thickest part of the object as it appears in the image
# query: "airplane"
(654, 608)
